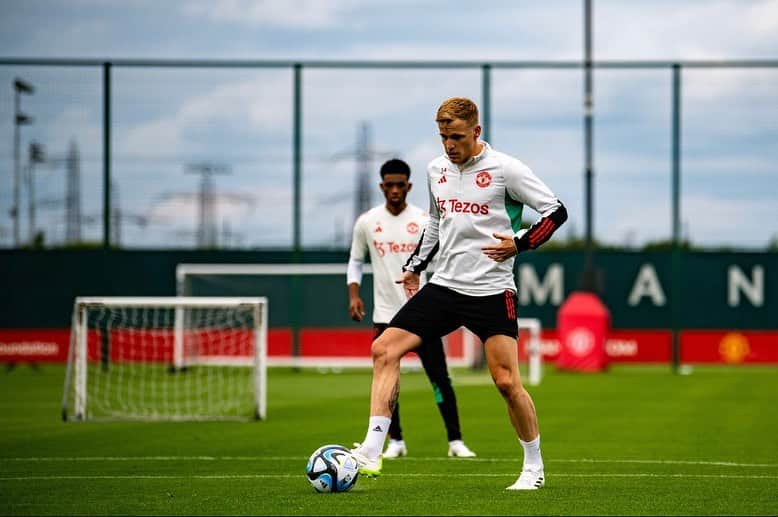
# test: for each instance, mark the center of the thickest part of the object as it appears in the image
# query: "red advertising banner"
(621, 346)
(639, 346)
(730, 347)
(39, 345)
(51, 345)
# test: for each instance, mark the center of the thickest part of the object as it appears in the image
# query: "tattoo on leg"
(392, 403)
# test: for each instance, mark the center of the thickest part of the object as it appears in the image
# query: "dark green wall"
(38, 287)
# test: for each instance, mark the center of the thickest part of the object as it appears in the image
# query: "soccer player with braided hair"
(389, 233)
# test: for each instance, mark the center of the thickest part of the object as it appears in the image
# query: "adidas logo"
(442, 179)
(378, 429)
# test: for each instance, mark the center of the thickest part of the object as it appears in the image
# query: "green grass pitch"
(635, 441)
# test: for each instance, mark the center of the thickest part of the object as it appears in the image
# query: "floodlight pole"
(20, 119)
(36, 155)
(588, 279)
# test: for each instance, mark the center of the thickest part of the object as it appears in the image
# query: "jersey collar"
(389, 213)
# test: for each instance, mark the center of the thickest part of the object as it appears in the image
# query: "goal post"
(167, 358)
(534, 360)
(534, 357)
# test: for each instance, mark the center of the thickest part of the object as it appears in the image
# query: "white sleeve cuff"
(354, 271)
(520, 233)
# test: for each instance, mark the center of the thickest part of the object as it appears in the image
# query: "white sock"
(532, 452)
(377, 429)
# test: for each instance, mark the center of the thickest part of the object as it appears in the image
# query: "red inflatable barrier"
(583, 323)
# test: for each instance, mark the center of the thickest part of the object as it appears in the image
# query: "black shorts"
(435, 311)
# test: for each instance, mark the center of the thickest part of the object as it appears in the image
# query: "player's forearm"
(542, 230)
(428, 242)
(353, 291)
(425, 250)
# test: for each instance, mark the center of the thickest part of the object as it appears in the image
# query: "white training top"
(390, 239)
(468, 204)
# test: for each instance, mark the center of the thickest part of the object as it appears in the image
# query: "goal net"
(167, 358)
(315, 294)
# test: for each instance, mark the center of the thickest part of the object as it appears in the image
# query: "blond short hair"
(458, 108)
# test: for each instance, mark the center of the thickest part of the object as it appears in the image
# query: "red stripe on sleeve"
(543, 232)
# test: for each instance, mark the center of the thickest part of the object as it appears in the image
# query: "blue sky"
(165, 119)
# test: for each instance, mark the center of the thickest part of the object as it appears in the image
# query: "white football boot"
(395, 449)
(531, 478)
(368, 467)
(458, 449)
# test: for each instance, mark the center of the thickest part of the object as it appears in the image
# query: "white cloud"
(264, 221)
(711, 85)
(73, 123)
(185, 208)
(640, 212)
(715, 220)
(623, 220)
(762, 18)
(156, 135)
(713, 29)
(235, 101)
(308, 14)
(732, 164)
(259, 104)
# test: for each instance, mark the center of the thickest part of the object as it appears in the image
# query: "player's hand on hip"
(502, 250)
(356, 308)
(410, 282)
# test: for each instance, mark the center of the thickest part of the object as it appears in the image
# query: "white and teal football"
(332, 468)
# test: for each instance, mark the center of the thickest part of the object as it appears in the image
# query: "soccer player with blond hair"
(477, 196)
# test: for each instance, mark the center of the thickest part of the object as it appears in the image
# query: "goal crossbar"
(169, 301)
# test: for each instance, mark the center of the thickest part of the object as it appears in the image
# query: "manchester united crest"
(412, 228)
(483, 179)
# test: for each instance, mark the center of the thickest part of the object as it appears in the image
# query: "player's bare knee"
(382, 352)
(378, 350)
(506, 383)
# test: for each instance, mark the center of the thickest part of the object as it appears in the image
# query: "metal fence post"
(676, 217)
(486, 107)
(296, 286)
(106, 155)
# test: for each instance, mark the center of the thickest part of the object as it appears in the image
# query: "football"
(332, 468)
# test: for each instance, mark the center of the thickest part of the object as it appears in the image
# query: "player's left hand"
(356, 308)
(410, 282)
(502, 250)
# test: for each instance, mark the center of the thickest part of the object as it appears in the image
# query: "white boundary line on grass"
(448, 475)
(301, 458)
